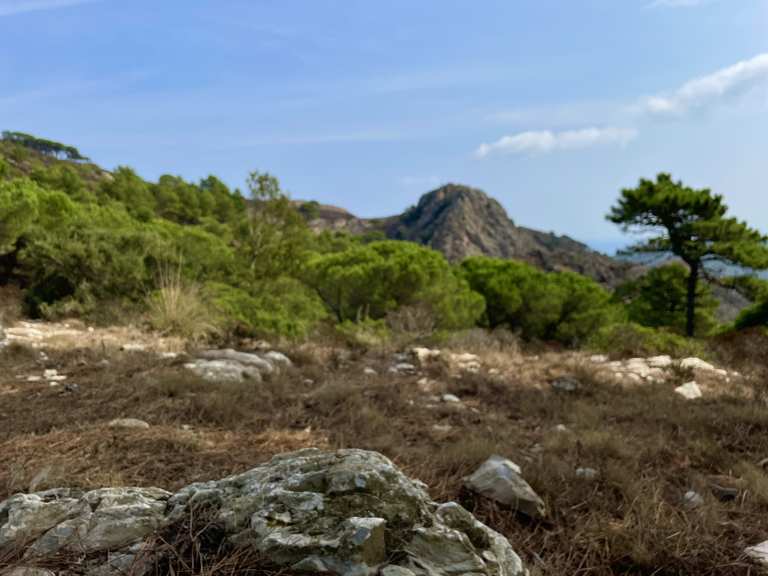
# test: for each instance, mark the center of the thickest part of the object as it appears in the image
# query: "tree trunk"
(690, 311)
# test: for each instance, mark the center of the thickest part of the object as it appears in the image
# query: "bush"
(659, 299)
(178, 307)
(370, 281)
(756, 315)
(631, 340)
(560, 306)
(282, 308)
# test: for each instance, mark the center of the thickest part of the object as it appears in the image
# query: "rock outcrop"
(348, 512)
(460, 221)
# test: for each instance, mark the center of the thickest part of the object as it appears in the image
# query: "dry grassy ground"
(649, 445)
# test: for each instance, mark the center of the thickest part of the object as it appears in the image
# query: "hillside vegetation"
(208, 262)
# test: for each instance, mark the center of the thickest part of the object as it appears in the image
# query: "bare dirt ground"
(649, 445)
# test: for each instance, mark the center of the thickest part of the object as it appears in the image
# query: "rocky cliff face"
(460, 221)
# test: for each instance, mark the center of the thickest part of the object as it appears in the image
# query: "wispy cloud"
(11, 7)
(678, 3)
(711, 88)
(544, 141)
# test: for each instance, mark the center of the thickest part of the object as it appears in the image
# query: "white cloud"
(548, 141)
(11, 7)
(702, 91)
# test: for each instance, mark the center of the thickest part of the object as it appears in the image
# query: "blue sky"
(551, 106)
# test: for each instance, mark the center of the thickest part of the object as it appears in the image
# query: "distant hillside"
(460, 221)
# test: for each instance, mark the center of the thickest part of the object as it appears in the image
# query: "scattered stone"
(404, 368)
(278, 358)
(368, 371)
(129, 424)
(242, 358)
(588, 474)
(168, 355)
(598, 359)
(565, 384)
(696, 364)
(758, 552)
(660, 361)
(466, 362)
(561, 428)
(133, 347)
(442, 428)
(52, 375)
(428, 386)
(692, 500)
(450, 399)
(347, 512)
(425, 355)
(224, 371)
(689, 391)
(34, 378)
(501, 480)
(29, 571)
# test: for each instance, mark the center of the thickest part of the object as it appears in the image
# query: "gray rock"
(224, 371)
(68, 520)
(689, 391)
(278, 358)
(501, 480)
(450, 399)
(348, 512)
(588, 474)
(243, 358)
(759, 552)
(28, 571)
(692, 500)
(566, 384)
(314, 510)
(129, 424)
(403, 368)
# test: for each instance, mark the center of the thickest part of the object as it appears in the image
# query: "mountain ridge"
(461, 221)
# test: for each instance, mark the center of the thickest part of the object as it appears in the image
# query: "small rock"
(501, 480)
(587, 474)
(758, 552)
(561, 428)
(450, 399)
(660, 361)
(696, 364)
(34, 378)
(598, 359)
(692, 500)
(565, 384)
(403, 368)
(28, 571)
(368, 371)
(129, 423)
(442, 428)
(278, 358)
(690, 391)
(425, 355)
(133, 347)
(168, 355)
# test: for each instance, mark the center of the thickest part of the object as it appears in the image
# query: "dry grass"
(179, 308)
(648, 445)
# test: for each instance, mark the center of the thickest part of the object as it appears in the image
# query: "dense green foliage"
(633, 340)
(560, 306)
(691, 224)
(659, 300)
(80, 240)
(370, 281)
